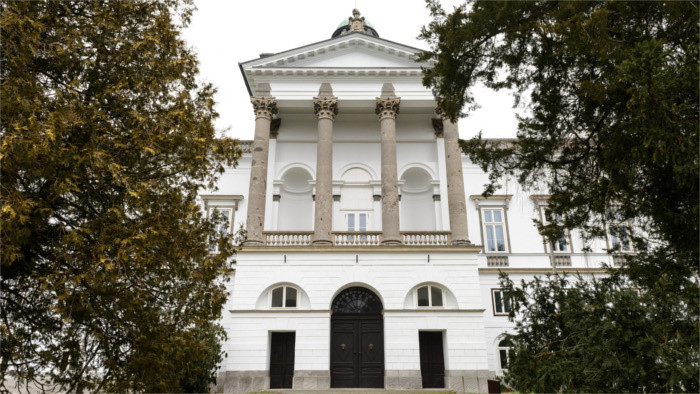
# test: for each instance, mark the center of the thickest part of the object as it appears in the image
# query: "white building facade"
(371, 260)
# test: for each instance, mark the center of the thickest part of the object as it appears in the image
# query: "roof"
(328, 41)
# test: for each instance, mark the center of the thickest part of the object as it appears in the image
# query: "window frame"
(284, 297)
(503, 222)
(503, 305)
(499, 348)
(357, 214)
(566, 236)
(231, 210)
(609, 236)
(430, 297)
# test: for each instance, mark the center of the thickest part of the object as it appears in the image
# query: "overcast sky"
(225, 32)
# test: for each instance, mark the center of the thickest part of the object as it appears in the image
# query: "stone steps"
(357, 391)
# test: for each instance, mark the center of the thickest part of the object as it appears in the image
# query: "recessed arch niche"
(417, 207)
(296, 206)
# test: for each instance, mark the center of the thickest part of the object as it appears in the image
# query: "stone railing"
(561, 260)
(497, 261)
(357, 238)
(426, 238)
(288, 238)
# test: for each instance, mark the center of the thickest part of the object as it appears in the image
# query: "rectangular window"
(223, 224)
(560, 245)
(277, 295)
(290, 299)
(357, 221)
(619, 232)
(284, 296)
(436, 296)
(503, 353)
(494, 228)
(429, 296)
(423, 297)
(501, 305)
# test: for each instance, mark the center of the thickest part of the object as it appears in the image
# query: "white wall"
(390, 275)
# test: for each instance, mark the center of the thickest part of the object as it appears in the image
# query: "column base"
(391, 241)
(461, 242)
(252, 242)
(321, 242)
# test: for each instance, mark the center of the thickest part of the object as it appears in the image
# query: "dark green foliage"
(601, 335)
(107, 281)
(611, 93)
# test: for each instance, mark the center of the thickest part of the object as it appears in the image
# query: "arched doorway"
(357, 339)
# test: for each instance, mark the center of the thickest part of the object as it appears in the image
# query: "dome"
(344, 26)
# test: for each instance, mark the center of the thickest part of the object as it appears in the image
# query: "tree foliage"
(611, 128)
(107, 136)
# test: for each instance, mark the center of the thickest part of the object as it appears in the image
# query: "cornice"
(371, 249)
(568, 270)
(332, 45)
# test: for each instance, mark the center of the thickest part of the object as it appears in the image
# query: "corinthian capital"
(264, 107)
(387, 107)
(326, 107)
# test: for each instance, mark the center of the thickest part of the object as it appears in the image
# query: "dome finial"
(357, 22)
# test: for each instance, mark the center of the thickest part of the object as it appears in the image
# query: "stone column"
(456, 199)
(387, 109)
(264, 107)
(325, 108)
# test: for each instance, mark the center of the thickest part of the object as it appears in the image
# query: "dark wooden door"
(281, 360)
(357, 351)
(432, 359)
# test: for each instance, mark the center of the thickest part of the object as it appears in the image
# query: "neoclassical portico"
(325, 108)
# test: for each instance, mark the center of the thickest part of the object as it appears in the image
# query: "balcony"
(357, 238)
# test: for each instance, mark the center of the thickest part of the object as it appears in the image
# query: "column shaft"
(387, 109)
(264, 108)
(456, 199)
(324, 179)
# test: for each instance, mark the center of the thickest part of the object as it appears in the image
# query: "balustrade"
(426, 238)
(357, 238)
(288, 238)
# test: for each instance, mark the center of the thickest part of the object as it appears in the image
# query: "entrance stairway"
(356, 391)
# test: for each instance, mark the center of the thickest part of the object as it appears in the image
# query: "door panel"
(343, 356)
(282, 360)
(432, 359)
(357, 351)
(372, 353)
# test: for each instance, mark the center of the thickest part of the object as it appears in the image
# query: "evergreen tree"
(611, 130)
(107, 136)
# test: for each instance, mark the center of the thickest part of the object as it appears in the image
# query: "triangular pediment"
(356, 51)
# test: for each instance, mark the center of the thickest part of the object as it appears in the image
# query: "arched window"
(503, 347)
(429, 296)
(357, 300)
(284, 297)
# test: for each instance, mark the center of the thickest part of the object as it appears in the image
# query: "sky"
(226, 32)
